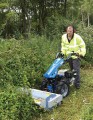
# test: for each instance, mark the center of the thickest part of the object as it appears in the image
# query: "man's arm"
(82, 47)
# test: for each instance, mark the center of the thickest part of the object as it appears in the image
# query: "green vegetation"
(22, 64)
(30, 34)
(15, 105)
(20, 18)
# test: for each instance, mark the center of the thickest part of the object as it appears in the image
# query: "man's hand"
(59, 55)
(77, 54)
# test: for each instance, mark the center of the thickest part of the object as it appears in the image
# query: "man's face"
(70, 31)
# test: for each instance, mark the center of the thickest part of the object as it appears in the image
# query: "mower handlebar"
(72, 54)
(61, 55)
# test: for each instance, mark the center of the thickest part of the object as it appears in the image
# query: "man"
(72, 42)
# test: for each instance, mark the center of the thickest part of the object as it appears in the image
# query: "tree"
(87, 9)
(9, 19)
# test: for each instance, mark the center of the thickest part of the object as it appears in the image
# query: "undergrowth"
(22, 64)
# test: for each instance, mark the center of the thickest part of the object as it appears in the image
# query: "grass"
(74, 106)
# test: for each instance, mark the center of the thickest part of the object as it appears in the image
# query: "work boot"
(77, 86)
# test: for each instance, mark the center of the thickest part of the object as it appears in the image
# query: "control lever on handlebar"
(76, 54)
(71, 54)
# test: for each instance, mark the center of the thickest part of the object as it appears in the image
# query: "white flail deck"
(44, 99)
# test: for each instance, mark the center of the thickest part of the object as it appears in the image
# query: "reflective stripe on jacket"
(76, 44)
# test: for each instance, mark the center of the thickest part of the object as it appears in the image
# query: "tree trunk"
(65, 7)
(23, 18)
(88, 19)
(42, 15)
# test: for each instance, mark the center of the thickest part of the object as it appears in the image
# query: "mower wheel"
(62, 88)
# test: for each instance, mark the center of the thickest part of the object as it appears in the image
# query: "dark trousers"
(75, 65)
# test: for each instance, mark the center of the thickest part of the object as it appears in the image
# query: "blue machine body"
(56, 80)
(53, 69)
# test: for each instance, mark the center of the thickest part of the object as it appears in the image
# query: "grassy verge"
(76, 105)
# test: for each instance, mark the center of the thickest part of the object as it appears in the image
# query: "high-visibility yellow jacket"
(76, 44)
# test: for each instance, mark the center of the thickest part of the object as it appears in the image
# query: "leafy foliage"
(15, 105)
(22, 64)
(33, 16)
(86, 33)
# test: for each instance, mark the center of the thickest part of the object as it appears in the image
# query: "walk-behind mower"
(58, 81)
(55, 85)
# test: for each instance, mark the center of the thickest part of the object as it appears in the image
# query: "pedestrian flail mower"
(55, 84)
(58, 81)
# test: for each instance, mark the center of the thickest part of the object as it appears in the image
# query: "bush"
(87, 35)
(24, 62)
(15, 105)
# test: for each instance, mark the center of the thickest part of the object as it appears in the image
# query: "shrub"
(24, 62)
(15, 105)
(87, 34)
